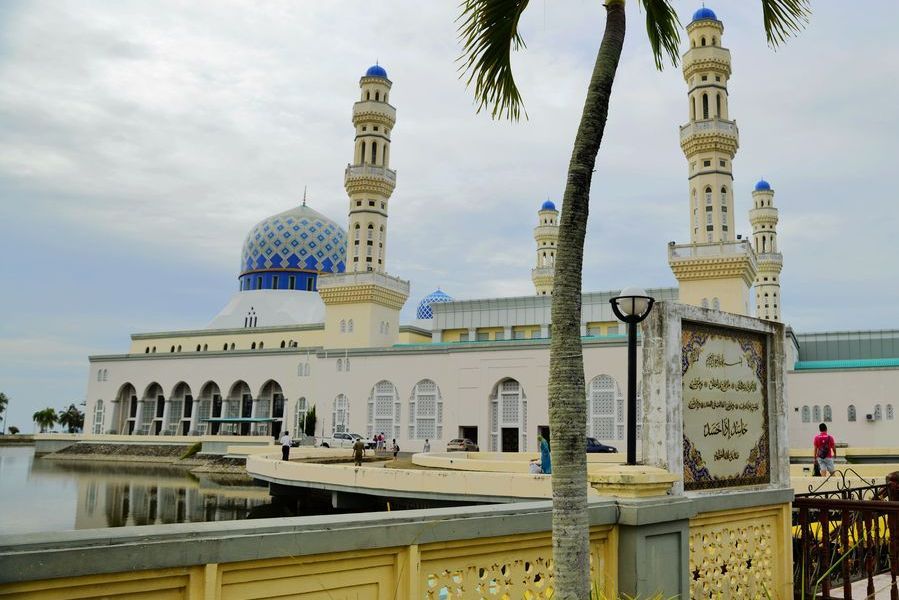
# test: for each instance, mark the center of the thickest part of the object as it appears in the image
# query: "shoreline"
(170, 456)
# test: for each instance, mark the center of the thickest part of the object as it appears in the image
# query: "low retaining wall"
(46, 443)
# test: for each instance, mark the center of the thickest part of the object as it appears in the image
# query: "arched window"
(198, 347)
(878, 413)
(374, 153)
(346, 364)
(508, 409)
(300, 418)
(225, 346)
(340, 416)
(377, 96)
(718, 105)
(693, 109)
(253, 346)
(371, 231)
(172, 350)
(307, 370)
(723, 196)
(708, 196)
(605, 409)
(705, 302)
(339, 364)
(362, 154)
(384, 410)
(301, 368)
(356, 231)
(425, 411)
(99, 374)
(179, 347)
(261, 345)
(283, 343)
(828, 414)
(232, 345)
(889, 412)
(349, 326)
(705, 105)
(342, 326)
(851, 412)
(716, 304)
(816, 413)
(806, 414)
(98, 417)
(702, 41)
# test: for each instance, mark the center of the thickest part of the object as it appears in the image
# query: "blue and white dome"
(376, 71)
(287, 250)
(704, 14)
(762, 186)
(424, 307)
(548, 205)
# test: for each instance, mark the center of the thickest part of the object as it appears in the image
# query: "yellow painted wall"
(520, 565)
(367, 318)
(413, 337)
(271, 340)
(491, 332)
(453, 335)
(732, 293)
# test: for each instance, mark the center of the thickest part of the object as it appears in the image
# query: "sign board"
(725, 407)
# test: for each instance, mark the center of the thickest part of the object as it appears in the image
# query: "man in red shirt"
(825, 450)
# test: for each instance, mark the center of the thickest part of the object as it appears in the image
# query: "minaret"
(763, 217)
(362, 305)
(546, 234)
(369, 181)
(714, 270)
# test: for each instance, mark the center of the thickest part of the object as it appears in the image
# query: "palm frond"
(663, 30)
(488, 31)
(783, 18)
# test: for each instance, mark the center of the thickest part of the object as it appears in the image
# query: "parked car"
(594, 445)
(461, 445)
(342, 440)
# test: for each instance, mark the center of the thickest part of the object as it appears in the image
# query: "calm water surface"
(47, 495)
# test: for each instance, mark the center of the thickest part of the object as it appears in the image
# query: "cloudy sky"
(140, 141)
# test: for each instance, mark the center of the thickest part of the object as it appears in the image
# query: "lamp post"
(632, 306)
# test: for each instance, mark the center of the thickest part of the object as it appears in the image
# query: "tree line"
(71, 418)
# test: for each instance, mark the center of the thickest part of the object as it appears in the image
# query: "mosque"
(315, 320)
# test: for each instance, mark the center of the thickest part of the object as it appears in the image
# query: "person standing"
(285, 446)
(427, 447)
(358, 451)
(545, 460)
(396, 448)
(825, 450)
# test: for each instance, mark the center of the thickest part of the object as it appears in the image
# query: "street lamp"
(632, 306)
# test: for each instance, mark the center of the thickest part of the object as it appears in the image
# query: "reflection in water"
(114, 494)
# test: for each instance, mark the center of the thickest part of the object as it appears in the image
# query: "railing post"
(870, 550)
(893, 523)
(825, 540)
(845, 524)
(804, 567)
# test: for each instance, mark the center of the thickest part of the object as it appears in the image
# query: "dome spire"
(304, 195)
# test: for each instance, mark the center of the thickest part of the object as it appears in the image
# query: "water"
(49, 495)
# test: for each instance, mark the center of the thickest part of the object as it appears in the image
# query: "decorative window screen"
(605, 409)
(340, 417)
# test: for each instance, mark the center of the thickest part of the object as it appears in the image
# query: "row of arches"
(226, 346)
(415, 415)
(705, 112)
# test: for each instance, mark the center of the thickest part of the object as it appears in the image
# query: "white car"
(342, 440)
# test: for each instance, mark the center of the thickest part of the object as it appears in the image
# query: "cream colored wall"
(465, 380)
(839, 388)
(732, 293)
(242, 340)
(367, 319)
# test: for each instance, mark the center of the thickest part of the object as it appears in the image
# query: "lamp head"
(632, 301)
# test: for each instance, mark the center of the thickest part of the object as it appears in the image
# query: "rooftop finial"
(304, 195)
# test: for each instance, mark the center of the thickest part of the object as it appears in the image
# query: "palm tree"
(71, 418)
(45, 418)
(488, 32)
(4, 400)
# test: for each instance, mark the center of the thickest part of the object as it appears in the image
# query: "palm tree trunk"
(567, 397)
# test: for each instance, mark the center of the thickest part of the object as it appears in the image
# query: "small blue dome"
(703, 14)
(424, 307)
(762, 186)
(548, 205)
(376, 71)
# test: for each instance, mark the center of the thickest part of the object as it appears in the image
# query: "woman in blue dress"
(545, 460)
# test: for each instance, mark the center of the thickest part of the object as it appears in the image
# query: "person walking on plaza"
(545, 461)
(825, 450)
(358, 451)
(427, 447)
(285, 446)
(396, 448)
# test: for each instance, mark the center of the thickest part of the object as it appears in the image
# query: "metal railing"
(709, 126)
(846, 535)
(367, 170)
(733, 248)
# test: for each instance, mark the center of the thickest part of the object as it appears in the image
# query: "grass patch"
(194, 448)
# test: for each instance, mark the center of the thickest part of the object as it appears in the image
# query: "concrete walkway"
(882, 584)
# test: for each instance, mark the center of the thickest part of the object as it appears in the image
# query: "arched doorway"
(124, 411)
(239, 404)
(180, 409)
(209, 401)
(151, 410)
(508, 417)
(269, 404)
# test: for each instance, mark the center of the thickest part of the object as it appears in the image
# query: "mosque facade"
(316, 318)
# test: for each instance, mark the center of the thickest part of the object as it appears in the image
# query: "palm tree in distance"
(45, 419)
(488, 32)
(71, 418)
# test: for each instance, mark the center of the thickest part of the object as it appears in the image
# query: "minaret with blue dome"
(763, 217)
(716, 270)
(369, 180)
(363, 304)
(546, 234)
